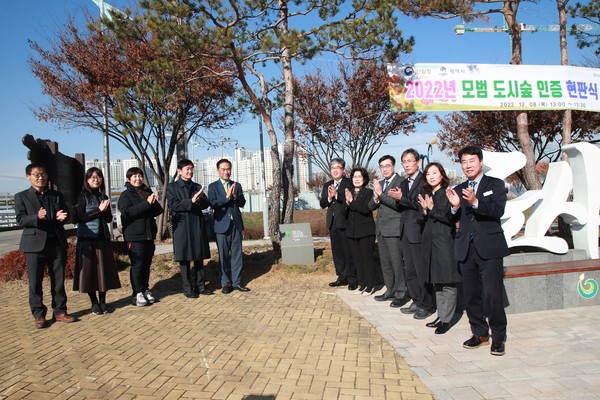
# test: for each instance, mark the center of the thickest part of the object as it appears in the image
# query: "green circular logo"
(587, 288)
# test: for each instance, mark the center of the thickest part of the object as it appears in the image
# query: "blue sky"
(39, 20)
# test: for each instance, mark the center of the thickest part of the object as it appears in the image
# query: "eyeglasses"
(40, 176)
(95, 178)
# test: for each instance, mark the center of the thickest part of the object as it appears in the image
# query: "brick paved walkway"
(266, 344)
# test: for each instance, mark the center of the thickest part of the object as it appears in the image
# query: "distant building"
(8, 215)
(245, 165)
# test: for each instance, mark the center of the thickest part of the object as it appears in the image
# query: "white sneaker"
(149, 297)
(140, 300)
(368, 292)
(360, 290)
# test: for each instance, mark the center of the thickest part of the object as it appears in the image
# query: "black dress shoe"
(443, 328)
(497, 348)
(422, 314)
(352, 286)
(241, 288)
(191, 295)
(410, 310)
(339, 282)
(397, 303)
(205, 292)
(383, 297)
(227, 289)
(475, 342)
(434, 324)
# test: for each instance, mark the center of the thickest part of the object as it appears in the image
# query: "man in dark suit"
(333, 198)
(226, 197)
(388, 234)
(41, 212)
(480, 248)
(410, 234)
(190, 243)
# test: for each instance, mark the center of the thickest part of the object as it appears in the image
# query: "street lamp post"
(264, 180)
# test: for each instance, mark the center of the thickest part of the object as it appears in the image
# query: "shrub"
(13, 266)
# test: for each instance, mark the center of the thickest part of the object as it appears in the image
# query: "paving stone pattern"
(553, 355)
(266, 344)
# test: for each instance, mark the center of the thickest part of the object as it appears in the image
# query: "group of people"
(433, 241)
(42, 212)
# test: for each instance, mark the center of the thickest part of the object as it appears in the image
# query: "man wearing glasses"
(410, 232)
(388, 234)
(41, 212)
(333, 199)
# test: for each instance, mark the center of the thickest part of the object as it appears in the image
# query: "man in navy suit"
(41, 212)
(226, 197)
(479, 247)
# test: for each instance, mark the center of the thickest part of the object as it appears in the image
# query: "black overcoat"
(438, 242)
(190, 242)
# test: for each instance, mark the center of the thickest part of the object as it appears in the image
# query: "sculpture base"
(545, 281)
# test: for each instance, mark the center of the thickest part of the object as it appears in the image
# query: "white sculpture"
(551, 200)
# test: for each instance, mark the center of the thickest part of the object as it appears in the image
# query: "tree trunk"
(288, 108)
(530, 175)
(275, 192)
(564, 229)
(509, 10)
(564, 60)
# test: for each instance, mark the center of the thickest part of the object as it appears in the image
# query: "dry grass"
(262, 269)
(253, 223)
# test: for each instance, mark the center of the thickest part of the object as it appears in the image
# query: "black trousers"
(140, 255)
(192, 278)
(55, 257)
(483, 288)
(366, 266)
(342, 258)
(417, 278)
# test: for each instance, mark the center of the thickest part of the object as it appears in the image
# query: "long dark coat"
(190, 242)
(438, 242)
(360, 222)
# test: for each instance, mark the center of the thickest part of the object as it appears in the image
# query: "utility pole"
(105, 10)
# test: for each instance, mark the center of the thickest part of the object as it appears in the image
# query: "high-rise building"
(130, 163)
(117, 173)
(245, 166)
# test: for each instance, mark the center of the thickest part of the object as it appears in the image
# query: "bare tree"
(348, 114)
(152, 95)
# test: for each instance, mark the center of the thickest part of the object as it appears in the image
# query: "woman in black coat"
(139, 207)
(438, 245)
(95, 267)
(360, 230)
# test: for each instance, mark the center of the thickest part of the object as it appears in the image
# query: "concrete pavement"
(549, 354)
